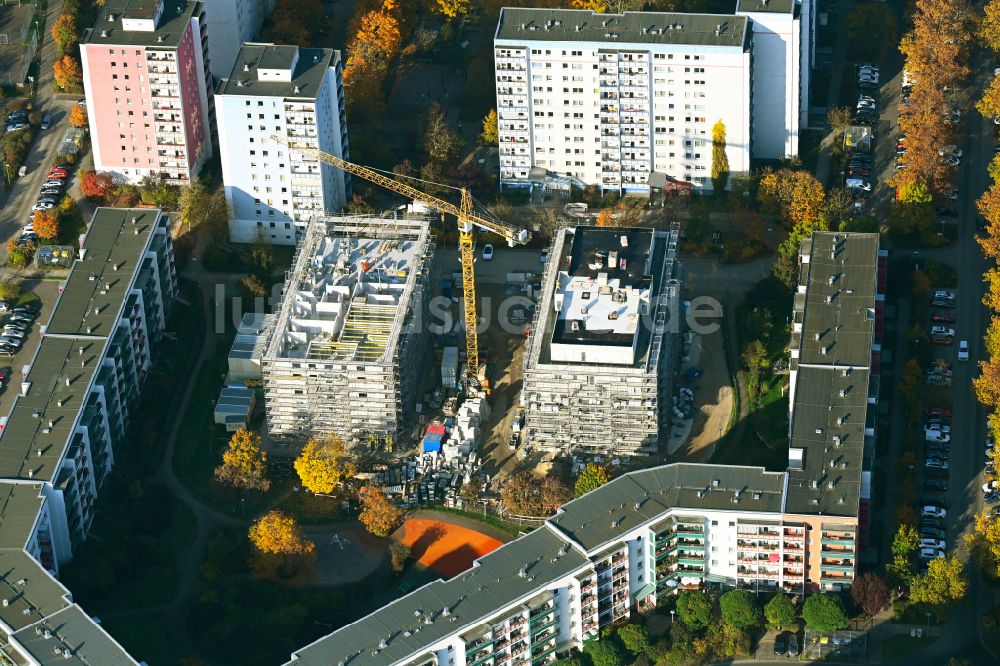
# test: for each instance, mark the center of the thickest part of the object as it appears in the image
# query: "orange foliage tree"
(67, 74)
(377, 515)
(78, 116)
(64, 33)
(46, 224)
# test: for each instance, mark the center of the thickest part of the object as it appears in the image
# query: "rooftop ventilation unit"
(715, 483)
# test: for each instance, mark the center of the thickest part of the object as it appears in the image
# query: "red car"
(57, 173)
(937, 411)
(943, 317)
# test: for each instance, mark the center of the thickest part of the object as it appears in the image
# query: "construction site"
(341, 354)
(598, 371)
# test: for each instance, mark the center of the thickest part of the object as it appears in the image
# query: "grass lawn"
(144, 637)
(902, 645)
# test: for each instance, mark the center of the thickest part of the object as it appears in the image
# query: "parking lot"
(15, 24)
(46, 292)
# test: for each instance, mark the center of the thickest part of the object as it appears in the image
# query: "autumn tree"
(374, 44)
(870, 593)
(198, 206)
(720, 162)
(905, 542)
(987, 384)
(66, 73)
(377, 515)
(97, 184)
(64, 33)
(244, 464)
(440, 141)
(454, 8)
(78, 116)
(840, 118)
(399, 552)
(278, 534)
(525, 494)
(943, 584)
(46, 224)
(989, 104)
(254, 285)
(297, 22)
(592, 477)
(324, 464)
(491, 132)
(989, 25)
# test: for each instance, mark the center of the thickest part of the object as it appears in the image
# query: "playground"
(446, 548)
(344, 554)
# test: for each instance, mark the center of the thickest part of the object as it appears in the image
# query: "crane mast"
(467, 223)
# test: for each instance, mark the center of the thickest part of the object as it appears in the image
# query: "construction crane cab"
(468, 221)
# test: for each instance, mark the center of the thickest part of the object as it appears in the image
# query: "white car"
(937, 427)
(488, 252)
(862, 184)
(936, 436)
(935, 463)
(963, 350)
(931, 553)
(43, 206)
(943, 330)
(944, 293)
(933, 543)
(13, 333)
(932, 511)
(991, 487)
(950, 193)
(950, 149)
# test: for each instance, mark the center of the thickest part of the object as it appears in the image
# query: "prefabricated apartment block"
(607, 99)
(347, 337)
(68, 421)
(602, 558)
(603, 346)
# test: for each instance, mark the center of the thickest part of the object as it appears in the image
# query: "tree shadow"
(429, 537)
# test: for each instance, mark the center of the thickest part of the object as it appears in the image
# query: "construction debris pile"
(427, 478)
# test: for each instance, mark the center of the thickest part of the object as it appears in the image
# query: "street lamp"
(672, 617)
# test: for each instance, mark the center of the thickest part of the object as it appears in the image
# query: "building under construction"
(347, 327)
(599, 364)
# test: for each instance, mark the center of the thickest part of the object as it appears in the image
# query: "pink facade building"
(145, 74)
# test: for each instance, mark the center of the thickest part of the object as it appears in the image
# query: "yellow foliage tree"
(67, 74)
(454, 8)
(244, 464)
(984, 541)
(491, 129)
(944, 582)
(989, 104)
(78, 116)
(323, 464)
(987, 384)
(991, 298)
(277, 533)
(989, 25)
(599, 6)
(377, 515)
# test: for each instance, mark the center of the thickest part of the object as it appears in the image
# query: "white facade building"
(782, 60)
(606, 99)
(233, 22)
(297, 94)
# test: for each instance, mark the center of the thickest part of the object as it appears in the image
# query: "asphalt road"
(42, 155)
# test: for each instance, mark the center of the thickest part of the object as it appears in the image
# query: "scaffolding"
(345, 328)
(599, 406)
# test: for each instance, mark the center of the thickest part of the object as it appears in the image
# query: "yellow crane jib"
(467, 222)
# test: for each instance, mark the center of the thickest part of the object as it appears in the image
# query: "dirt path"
(714, 397)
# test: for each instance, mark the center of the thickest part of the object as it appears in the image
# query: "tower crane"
(467, 223)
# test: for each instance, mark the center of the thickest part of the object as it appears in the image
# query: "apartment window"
(114, 64)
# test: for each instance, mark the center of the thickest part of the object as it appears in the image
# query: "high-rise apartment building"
(783, 44)
(233, 22)
(298, 94)
(145, 74)
(59, 441)
(607, 99)
(603, 348)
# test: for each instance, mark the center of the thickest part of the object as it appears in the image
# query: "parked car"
(43, 206)
(963, 350)
(937, 544)
(942, 331)
(936, 436)
(944, 317)
(46, 121)
(544, 256)
(936, 464)
(488, 252)
(927, 532)
(860, 184)
(937, 411)
(54, 182)
(950, 149)
(930, 553)
(793, 645)
(935, 484)
(950, 193)
(933, 511)
(780, 645)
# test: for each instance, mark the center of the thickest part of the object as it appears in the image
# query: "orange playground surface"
(448, 549)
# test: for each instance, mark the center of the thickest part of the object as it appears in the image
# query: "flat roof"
(606, 280)
(310, 69)
(766, 6)
(167, 35)
(578, 25)
(20, 504)
(608, 513)
(95, 290)
(839, 299)
(41, 421)
(471, 598)
(31, 593)
(829, 409)
(78, 639)
(251, 337)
